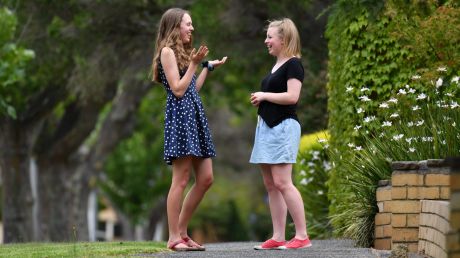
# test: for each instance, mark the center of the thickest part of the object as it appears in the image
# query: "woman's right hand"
(196, 56)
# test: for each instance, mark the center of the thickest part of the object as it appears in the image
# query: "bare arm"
(284, 98)
(205, 72)
(168, 60)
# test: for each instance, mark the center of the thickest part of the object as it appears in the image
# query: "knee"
(205, 182)
(180, 183)
(281, 185)
(270, 186)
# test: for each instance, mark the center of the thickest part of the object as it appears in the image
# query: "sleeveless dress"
(186, 130)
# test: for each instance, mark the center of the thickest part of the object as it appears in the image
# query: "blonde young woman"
(188, 145)
(278, 134)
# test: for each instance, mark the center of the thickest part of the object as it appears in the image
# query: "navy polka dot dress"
(186, 126)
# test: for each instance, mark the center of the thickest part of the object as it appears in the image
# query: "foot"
(270, 244)
(193, 244)
(296, 243)
(179, 246)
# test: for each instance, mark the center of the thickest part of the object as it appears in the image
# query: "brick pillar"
(412, 182)
(453, 238)
(383, 217)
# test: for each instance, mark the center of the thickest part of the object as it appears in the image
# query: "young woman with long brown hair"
(188, 145)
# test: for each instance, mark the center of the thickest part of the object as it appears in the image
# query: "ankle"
(301, 236)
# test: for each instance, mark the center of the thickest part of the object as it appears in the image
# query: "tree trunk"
(64, 193)
(17, 196)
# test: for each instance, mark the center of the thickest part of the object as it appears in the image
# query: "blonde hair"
(169, 36)
(289, 34)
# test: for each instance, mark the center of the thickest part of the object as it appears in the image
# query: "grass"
(81, 249)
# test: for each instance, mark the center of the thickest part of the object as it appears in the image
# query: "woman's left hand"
(218, 62)
(256, 98)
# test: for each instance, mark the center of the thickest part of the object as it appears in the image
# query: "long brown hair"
(288, 32)
(169, 36)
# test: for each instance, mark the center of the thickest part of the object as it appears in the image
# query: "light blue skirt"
(276, 145)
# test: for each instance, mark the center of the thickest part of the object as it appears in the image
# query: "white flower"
(398, 137)
(439, 83)
(357, 127)
(449, 94)
(358, 148)
(427, 139)
(302, 173)
(320, 192)
(381, 135)
(351, 145)
(442, 69)
(310, 164)
(419, 123)
(304, 181)
(327, 165)
(349, 89)
(411, 149)
(364, 89)
(454, 104)
(369, 119)
(402, 91)
(411, 90)
(394, 115)
(454, 124)
(410, 124)
(393, 100)
(326, 146)
(386, 123)
(416, 77)
(421, 96)
(409, 140)
(415, 108)
(322, 140)
(455, 79)
(383, 105)
(360, 110)
(443, 142)
(364, 98)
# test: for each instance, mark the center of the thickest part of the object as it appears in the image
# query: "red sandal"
(193, 244)
(173, 246)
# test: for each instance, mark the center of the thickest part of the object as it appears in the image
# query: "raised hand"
(218, 62)
(196, 56)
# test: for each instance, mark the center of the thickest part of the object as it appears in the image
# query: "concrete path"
(320, 249)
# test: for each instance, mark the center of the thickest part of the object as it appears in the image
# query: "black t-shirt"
(276, 82)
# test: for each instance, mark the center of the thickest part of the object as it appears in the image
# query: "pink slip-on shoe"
(296, 244)
(270, 244)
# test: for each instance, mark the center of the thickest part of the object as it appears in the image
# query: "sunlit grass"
(81, 249)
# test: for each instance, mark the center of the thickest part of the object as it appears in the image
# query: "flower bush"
(311, 174)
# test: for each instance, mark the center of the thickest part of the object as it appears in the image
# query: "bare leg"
(180, 177)
(203, 180)
(282, 178)
(278, 209)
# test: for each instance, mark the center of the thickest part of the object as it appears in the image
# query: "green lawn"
(81, 249)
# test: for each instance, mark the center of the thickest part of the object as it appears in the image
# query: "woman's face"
(274, 42)
(186, 28)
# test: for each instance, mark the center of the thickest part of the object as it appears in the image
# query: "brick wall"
(434, 226)
(399, 201)
(453, 238)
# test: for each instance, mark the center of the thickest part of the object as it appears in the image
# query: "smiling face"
(186, 28)
(274, 42)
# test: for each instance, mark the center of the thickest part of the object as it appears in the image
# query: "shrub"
(311, 174)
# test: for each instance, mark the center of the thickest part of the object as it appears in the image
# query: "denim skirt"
(276, 145)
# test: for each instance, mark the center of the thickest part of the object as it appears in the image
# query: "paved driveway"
(320, 249)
